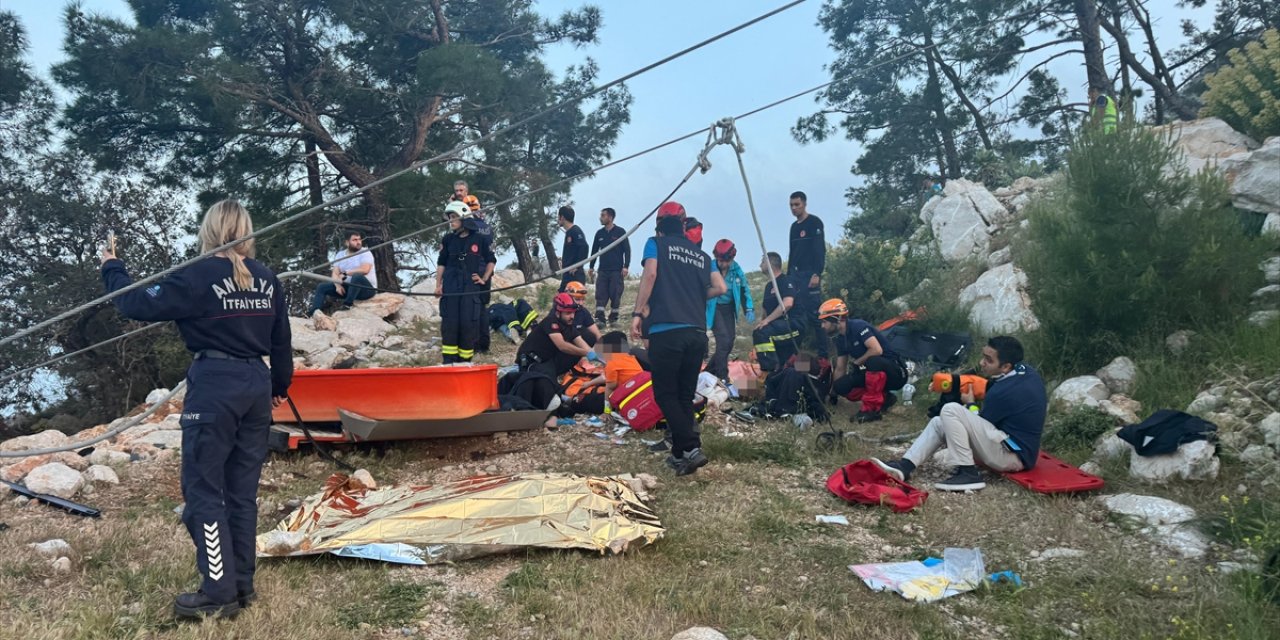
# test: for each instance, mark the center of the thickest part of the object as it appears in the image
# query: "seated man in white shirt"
(354, 276)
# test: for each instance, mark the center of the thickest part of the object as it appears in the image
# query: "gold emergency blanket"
(466, 519)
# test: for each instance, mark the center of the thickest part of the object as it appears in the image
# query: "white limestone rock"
(1000, 302)
(1192, 461)
(1120, 375)
(1081, 391)
(55, 479)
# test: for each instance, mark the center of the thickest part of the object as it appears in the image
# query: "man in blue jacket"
(722, 311)
(1004, 435)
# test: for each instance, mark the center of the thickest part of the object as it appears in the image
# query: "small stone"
(1256, 454)
(322, 322)
(1150, 510)
(109, 457)
(102, 474)
(1119, 376)
(1178, 341)
(1092, 468)
(701, 633)
(1228, 568)
(1081, 391)
(1263, 318)
(156, 395)
(702, 563)
(362, 479)
(52, 548)
(162, 439)
(62, 565)
(1204, 403)
(292, 503)
(491, 469)
(1058, 553)
(1192, 461)
(55, 479)
(179, 509)
(1270, 428)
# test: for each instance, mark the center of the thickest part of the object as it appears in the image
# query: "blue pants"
(225, 421)
(357, 288)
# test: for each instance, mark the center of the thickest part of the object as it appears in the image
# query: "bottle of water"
(908, 390)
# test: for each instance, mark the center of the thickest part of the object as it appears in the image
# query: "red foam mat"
(1052, 475)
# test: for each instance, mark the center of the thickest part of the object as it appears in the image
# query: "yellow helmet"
(833, 308)
(577, 290)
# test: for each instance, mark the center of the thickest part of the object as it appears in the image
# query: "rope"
(454, 152)
(702, 162)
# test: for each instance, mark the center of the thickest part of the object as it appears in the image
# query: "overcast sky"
(776, 58)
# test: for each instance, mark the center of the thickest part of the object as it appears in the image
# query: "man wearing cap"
(722, 311)
(678, 280)
(464, 268)
(574, 250)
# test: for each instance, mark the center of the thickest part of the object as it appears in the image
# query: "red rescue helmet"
(693, 231)
(671, 209)
(724, 250)
(565, 302)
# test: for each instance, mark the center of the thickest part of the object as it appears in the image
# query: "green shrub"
(1246, 93)
(1075, 430)
(868, 273)
(1131, 248)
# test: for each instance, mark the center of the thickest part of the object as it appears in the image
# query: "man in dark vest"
(678, 280)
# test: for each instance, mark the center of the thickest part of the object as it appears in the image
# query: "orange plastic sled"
(422, 393)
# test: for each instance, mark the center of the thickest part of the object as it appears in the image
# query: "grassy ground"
(742, 553)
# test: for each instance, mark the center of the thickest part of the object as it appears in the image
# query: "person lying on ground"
(505, 317)
(553, 347)
(1004, 435)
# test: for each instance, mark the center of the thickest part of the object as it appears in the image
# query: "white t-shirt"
(351, 263)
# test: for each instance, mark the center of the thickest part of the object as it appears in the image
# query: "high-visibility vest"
(1110, 115)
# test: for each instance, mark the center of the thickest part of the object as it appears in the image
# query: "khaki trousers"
(968, 437)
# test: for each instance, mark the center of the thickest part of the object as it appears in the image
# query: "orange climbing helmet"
(565, 302)
(577, 290)
(833, 308)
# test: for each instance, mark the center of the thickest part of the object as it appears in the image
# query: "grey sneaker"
(687, 464)
(966, 478)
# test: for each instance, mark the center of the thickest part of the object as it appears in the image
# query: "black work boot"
(690, 462)
(246, 597)
(965, 478)
(198, 605)
(867, 416)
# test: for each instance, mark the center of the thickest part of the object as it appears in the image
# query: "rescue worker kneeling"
(583, 324)
(777, 336)
(465, 266)
(866, 369)
(553, 347)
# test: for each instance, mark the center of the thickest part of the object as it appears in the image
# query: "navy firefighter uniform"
(466, 262)
(227, 412)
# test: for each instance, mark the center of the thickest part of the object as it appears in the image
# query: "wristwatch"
(637, 314)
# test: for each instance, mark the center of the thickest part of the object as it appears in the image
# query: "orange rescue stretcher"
(374, 405)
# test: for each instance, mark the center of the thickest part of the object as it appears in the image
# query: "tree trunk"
(379, 211)
(1173, 100)
(523, 260)
(979, 122)
(549, 246)
(1091, 37)
(933, 94)
(315, 194)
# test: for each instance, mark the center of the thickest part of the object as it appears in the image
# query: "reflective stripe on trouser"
(225, 421)
(969, 438)
(775, 343)
(460, 326)
(528, 320)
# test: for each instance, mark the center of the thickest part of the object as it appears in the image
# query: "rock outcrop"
(1000, 303)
